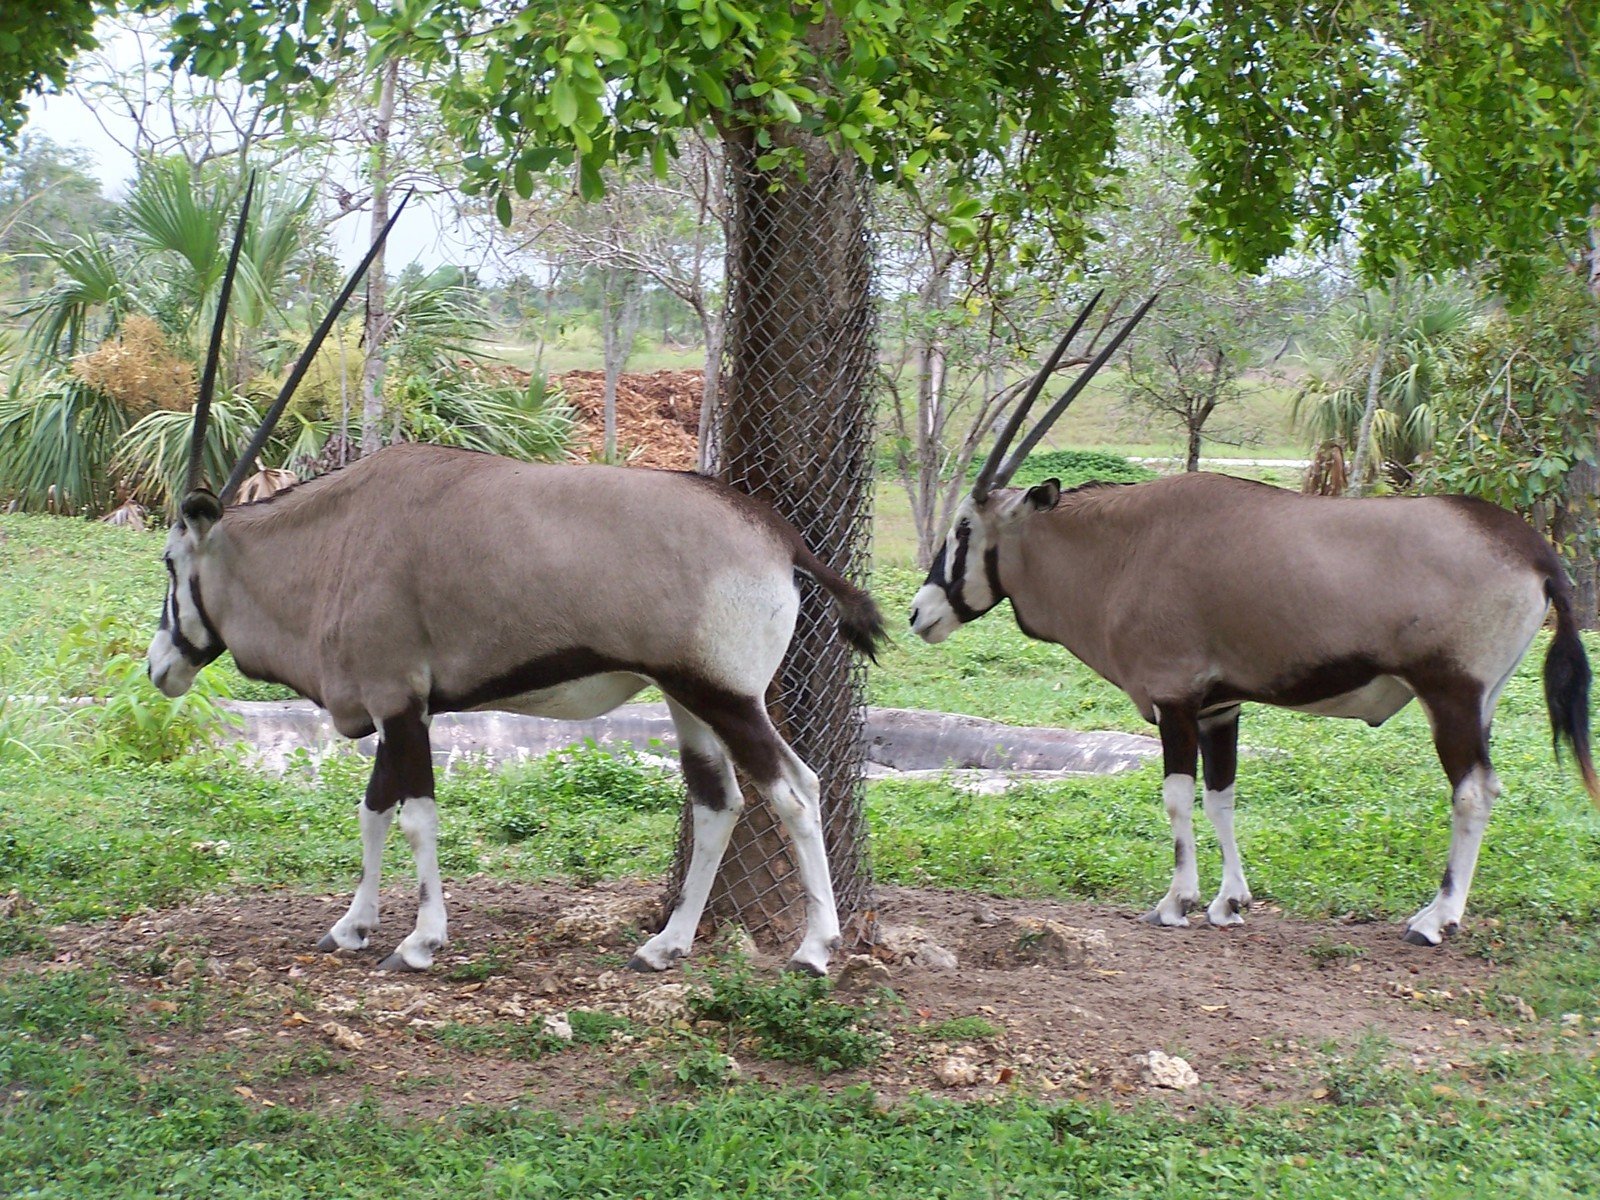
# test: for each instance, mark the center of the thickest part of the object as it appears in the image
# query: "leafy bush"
(583, 778)
(790, 1018)
(1073, 467)
(102, 657)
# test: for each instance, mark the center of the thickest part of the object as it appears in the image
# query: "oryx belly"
(1374, 703)
(579, 700)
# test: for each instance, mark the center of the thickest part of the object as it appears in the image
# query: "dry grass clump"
(139, 370)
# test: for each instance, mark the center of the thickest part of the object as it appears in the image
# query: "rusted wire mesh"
(793, 426)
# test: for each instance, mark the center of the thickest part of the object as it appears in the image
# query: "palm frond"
(154, 454)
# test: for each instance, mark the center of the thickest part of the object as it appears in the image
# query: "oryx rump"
(1197, 593)
(423, 580)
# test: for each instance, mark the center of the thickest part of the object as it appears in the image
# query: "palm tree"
(1391, 352)
(69, 444)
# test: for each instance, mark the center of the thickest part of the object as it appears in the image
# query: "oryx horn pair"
(208, 379)
(995, 475)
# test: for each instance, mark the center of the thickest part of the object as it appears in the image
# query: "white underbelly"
(1375, 703)
(580, 700)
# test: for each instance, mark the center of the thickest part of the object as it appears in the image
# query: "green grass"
(1332, 818)
(86, 1115)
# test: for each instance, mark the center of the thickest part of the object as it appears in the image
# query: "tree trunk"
(1580, 507)
(795, 430)
(377, 324)
(619, 322)
(710, 388)
(1380, 359)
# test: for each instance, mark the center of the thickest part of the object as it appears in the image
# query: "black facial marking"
(953, 583)
(403, 767)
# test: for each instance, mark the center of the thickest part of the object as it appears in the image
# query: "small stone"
(955, 1072)
(182, 970)
(666, 1002)
(1169, 1071)
(342, 1036)
(1522, 1008)
(933, 957)
(557, 1026)
(860, 972)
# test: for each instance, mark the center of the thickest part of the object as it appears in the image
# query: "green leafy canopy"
(1435, 134)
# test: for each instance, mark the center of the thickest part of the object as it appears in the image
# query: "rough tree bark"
(1359, 467)
(620, 296)
(377, 322)
(795, 431)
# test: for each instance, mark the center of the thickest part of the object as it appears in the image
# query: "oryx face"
(964, 581)
(186, 640)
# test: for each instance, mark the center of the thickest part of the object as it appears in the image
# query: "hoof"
(328, 944)
(1154, 917)
(799, 966)
(395, 963)
(643, 965)
(1412, 937)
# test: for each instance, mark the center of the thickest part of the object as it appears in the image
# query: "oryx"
(423, 580)
(1198, 592)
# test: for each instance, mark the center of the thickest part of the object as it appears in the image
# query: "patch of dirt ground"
(1071, 999)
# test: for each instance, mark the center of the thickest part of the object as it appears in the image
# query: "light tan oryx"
(1197, 592)
(424, 580)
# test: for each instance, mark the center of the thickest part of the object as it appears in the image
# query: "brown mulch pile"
(658, 416)
(1071, 999)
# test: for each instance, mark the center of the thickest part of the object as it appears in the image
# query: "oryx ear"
(1045, 496)
(201, 510)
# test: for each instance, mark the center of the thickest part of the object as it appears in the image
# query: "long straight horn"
(208, 380)
(1071, 394)
(243, 467)
(980, 489)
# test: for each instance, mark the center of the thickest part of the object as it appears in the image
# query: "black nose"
(914, 618)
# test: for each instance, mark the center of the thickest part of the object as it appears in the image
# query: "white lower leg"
(419, 821)
(1473, 801)
(1234, 895)
(712, 829)
(350, 932)
(797, 798)
(1177, 794)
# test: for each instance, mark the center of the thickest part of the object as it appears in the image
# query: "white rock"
(661, 1004)
(1170, 1071)
(955, 1072)
(934, 957)
(556, 1025)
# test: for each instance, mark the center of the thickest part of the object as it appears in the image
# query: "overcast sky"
(427, 234)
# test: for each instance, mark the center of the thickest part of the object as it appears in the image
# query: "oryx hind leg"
(791, 787)
(1460, 721)
(1180, 756)
(1219, 756)
(716, 802)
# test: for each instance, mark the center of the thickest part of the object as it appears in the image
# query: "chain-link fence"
(794, 427)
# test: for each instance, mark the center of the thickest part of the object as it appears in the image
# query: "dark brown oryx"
(1198, 592)
(424, 580)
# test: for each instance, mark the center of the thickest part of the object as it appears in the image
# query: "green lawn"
(1333, 818)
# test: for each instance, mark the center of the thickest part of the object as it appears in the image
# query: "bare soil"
(1077, 996)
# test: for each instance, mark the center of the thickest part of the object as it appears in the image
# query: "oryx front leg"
(1219, 752)
(402, 775)
(350, 932)
(716, 803)
(1180, 753)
